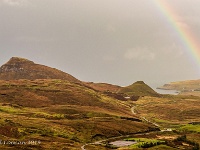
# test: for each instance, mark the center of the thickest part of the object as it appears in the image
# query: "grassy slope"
(60, 114)
(173, 112)
(174, 109)
(103, 87)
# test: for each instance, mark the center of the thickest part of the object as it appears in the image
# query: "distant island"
(189, 87)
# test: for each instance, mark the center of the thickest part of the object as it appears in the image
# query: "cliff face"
(20, 68)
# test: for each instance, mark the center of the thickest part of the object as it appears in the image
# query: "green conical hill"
(138, 88)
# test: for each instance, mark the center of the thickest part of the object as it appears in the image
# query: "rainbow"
(188, 39)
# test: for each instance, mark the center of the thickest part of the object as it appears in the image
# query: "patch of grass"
(144, 142)
(162, 121)
(162, 147)
(8, 109)
(95, 114)
(48, 116)
(166, 123)
(191, 128)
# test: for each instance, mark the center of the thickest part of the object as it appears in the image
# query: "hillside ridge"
(21, 68)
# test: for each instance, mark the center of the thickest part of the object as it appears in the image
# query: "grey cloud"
(97, 40)
(15, 2)
(139, 54)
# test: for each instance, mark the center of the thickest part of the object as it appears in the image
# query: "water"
(160, 91)
(122, 143)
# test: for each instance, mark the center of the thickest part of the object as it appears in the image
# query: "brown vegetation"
(62, 113)
(48, 109)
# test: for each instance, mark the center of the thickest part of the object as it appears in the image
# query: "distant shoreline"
(166, 91)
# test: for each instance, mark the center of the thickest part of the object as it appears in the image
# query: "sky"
(113, 41)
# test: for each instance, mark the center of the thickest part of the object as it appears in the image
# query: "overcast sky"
(114, 41)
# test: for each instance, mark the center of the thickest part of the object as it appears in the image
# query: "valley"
(44, 108)
(61, 112)
(173, 121)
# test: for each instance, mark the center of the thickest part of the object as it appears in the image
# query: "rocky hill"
(20, 68)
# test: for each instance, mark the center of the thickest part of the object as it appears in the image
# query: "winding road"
(143, 118)
(133, 112)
